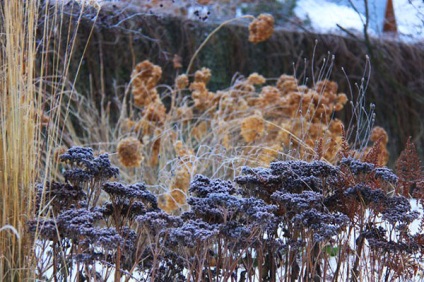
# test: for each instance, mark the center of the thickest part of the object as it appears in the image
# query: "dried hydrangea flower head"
(155, 112)
(256, 79)
(203, 75)
(145, 77)
(261, 28)
(181, 82)
(201, 96)
(379, 133)
(127, 125)
(252, 127)
(129, 152)
(287, 83)
(185, 167)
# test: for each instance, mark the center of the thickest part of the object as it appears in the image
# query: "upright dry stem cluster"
(32, 73)
(19, 135)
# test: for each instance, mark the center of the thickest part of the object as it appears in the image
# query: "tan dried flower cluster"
(175, 198)
(252, 127)
(181, 82)
(202, 98)
(129, 152)
(145, 77)
(148, 128)
(261, 28)
(253, 123)
(203, 75)
(256, 79)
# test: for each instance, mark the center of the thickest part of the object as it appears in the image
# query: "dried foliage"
(409, 170)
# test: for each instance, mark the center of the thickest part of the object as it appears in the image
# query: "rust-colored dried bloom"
(127, 125)
(147, 74)
(341, 102)
(144, 78)
(261, 28)
(256, 79)
(269, 96)
(129, 152)
(203, 75)
(154, 155)
(181, 181)
(176, 197)
(252, 127)
(155, 112)
(200, 130)
(181, 82)
(203, 99)
(336, 127)
(342, 98)
(326, 86)
(269, 154)
(177, 62)
(182, 151)
(379, 133)
(287, 83)
(378, 153)
(184, 113)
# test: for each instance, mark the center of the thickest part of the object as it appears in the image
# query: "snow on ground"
(324, 16)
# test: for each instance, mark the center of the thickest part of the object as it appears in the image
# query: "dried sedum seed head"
(129, 152)
(261, 28)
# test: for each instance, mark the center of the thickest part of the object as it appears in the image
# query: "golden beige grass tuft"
(19, 135)
(33, 114)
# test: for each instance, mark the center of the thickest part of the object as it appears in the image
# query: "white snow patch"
(325, 15)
